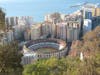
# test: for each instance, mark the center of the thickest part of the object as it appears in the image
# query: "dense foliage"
(10, 58)
(2, 20)
(72, 65)
(64, 66)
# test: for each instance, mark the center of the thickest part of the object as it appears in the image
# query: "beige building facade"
(35, 31)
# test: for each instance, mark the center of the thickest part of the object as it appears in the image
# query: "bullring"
(43, 48)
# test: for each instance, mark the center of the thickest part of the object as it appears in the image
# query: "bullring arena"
(43, 49)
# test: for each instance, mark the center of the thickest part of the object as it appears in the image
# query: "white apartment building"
(27, 34)
(68, 30)
(35, 31)
(61, 31)
(87, 26)
(53, 18)
(48, 29)
(10, 36)
(21, 20)
(19, 25)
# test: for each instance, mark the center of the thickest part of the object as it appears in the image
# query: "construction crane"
(79, 5)
(86, 4)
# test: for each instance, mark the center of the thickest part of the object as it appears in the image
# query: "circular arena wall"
(30, 50)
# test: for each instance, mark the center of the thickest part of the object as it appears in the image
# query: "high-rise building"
(87, 26)
(73, 31)
(35, 31)
(87, 14)
(10, 36)
(96, 12)
(19, 25)
(46, 28)
(27, 34)
(70, 34)
(61, 31)
(47, 18)
(49, 28)
(86, 10)
(17, 32)
(76, 16)
(68, 31)
(90, 10)
(53, 18)
(95, 21)
(62, 17)
(22, 20)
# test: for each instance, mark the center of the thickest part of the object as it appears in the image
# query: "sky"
(39, 8)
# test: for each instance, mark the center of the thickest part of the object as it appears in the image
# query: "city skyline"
(38, 9)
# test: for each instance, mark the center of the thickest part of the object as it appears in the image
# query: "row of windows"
(57, 54)
(30, 59)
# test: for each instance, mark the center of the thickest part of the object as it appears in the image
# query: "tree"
(2, 20)
(92, 40)
(55, 15)
(10, 58)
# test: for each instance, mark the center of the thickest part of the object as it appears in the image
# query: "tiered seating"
(45, 40)
(44, 45)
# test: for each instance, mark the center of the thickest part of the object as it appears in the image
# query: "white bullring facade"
(31, 53)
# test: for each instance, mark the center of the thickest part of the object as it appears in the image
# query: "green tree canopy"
(2, 20)
(10, 58)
